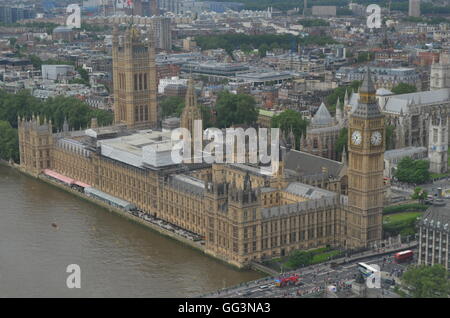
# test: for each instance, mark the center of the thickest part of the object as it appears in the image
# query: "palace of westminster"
(242, 213)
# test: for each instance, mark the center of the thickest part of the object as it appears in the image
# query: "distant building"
(63, 33)
(174, 80)
(178, 90)
(188, 44)
(384, 77)
(162, 32)
(56, 72)
(414, 8)
(10, 14)
(324, 10)
(265, 118)
(170, 123)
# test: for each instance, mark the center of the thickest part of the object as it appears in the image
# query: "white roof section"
(383, 91)
(147, 147)
(403, 152)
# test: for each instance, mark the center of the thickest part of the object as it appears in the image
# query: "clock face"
(376, 139)
(356, 137)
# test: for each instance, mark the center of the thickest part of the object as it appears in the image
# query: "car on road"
(244, 293)
(264, 286)
(389, 281)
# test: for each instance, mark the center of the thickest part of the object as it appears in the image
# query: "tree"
(78, 113)
(419, 194)
(365, 57)
(234, 109)
(12, 42)
(390, 142)
(342, 141)
(84, 74)
(36, 61)
(263, 48)
(339, 92)
(299, 258)
(427, 281)
(9, 142)
(171, 106)
(404, 88)
(412, 171)
(290, 119)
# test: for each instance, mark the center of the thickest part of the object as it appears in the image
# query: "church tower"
(191, 111)
(134, 78)
(366, 147)
(438, 143)
(440, 73)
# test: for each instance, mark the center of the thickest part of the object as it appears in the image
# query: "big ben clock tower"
(365, 172)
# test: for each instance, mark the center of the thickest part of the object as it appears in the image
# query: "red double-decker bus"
(403, 256)
(287, 281)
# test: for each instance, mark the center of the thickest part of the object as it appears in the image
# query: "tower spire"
(191, 112)
(367, 105)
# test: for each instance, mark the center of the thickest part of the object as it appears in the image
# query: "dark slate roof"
(307, 164)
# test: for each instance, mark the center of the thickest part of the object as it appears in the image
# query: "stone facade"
(438, 143)
(365, 171)
(134, 77)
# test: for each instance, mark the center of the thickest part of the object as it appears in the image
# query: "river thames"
(117, 258)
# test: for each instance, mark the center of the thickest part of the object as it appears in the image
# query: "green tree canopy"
(340, 92)
(290, 119)
(171, 106)
(404, 88)
(22, 104)
(419, 194)
(77, 112)
(342, 141)
(230, 42)
(263, 48)
(9, 142)
(233, 109)
(427, 281)
(365, 57)
(313, 22)
(412, 171)
(390, 142)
